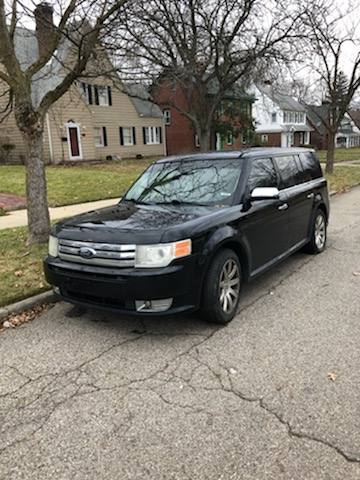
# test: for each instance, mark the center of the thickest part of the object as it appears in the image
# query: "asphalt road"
(101, 397)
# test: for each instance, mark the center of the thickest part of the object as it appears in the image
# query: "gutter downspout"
(164, 137)
(50, 138)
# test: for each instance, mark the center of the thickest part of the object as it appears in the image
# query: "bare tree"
(203, 48)
(329, 35)
(31, 89)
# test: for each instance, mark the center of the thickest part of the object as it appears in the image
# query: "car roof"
(247, 153)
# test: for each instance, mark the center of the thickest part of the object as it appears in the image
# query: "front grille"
(99, 254)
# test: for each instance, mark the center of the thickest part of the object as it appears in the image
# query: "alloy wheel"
(320, 232)
(229, 285)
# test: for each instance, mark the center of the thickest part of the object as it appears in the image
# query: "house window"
(100, 137)
(307, 138)
(229, 138)
(273, 117)
(294, 117)
(197, 141)
(127, 136)
(264, 138)
(103, 95)
(96, 94)
(152, 135)
(167, 117)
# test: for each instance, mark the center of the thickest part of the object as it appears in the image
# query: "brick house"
(96, 119)
(229, 133)
(348, 135)
(280, 121)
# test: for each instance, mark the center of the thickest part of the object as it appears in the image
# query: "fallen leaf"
(8, 324)
(332, 376)
(19, 273)
(356, 274)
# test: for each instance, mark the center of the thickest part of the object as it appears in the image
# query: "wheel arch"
(228, 240)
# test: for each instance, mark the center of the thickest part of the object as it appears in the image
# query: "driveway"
(274, 395)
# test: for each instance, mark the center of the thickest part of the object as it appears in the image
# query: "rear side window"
(263, 174)
(311, 166)
(289, 171)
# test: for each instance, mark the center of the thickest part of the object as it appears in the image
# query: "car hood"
(129, 223)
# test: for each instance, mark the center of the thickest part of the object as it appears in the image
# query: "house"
(348, 135)
(280, 121)
(97, 119)
(231, 130)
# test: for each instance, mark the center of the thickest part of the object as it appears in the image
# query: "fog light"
(153, 305)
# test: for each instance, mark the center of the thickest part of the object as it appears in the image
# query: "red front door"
(74, 142)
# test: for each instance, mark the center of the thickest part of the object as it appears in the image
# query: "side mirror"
(265, 193)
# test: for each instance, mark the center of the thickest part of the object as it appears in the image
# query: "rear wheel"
(318, 240)
(222, 287)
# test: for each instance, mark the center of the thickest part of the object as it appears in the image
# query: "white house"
(280, 120)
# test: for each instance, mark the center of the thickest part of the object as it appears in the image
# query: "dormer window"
(293, 117)
(273, 117)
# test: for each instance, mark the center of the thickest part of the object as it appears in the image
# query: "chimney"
(44, 26)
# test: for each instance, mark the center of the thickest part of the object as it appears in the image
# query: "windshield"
(201, 182)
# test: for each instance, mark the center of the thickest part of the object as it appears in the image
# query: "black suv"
(190, 231)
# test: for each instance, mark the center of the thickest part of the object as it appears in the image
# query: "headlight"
(162, 254)
(53, 246)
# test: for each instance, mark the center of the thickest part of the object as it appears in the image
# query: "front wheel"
(221, 293)
(318, 239)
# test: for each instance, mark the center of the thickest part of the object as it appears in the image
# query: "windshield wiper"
(180, 202)
(136, 202)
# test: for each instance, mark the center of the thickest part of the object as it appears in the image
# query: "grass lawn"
(76, 184)
(341, 154)
(20, 267)
(343, 178)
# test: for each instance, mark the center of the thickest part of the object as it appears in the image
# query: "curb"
(28, 303)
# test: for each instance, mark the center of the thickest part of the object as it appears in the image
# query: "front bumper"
(118, 289)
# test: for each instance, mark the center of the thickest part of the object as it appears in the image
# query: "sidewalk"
(18, 218)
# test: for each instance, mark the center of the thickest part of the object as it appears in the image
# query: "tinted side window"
(311, 166)
(289, 171)
(263, 174)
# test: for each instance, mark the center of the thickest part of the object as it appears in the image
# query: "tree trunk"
(204, 140)
(37, 206)
(330, 154)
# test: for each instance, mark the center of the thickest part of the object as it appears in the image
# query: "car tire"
(222, 287)
(318, 239)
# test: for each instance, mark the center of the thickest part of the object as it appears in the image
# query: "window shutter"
(105, 137)
(144, 135)
(90, 95)
(96, 90)
(160, 134)
(109, 95)
(134, 135)
(121, 136)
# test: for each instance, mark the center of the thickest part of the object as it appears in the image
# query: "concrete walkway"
(18, 218)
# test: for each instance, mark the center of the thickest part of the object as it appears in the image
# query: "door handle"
(284, 206)
(311, 195)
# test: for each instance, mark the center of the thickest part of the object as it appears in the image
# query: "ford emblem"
(86, 252)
